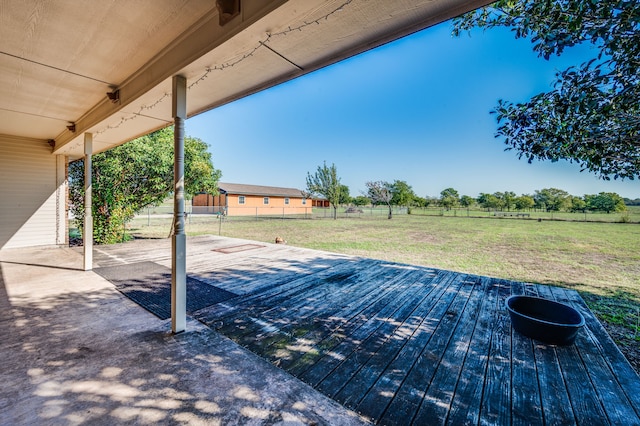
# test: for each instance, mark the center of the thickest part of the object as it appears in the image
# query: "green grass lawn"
(600, 260)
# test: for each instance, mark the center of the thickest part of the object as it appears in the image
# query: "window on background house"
(286, 201)
(241, 199)
(265, 200)
(304, 201)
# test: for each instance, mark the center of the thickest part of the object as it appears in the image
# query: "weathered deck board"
(404, 344)
(356, 389)
(438, 398)
(346, 383)
(614, 402)
(328, 297)
(254, 273)
(525, 390)
(350, 345)
(274, 297)
(326, 343)
(466, 402)
(311, 331)
(444, 317)
(582, 394)
(496, 402)
(350, 342)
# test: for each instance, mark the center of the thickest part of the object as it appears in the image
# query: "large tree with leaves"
(135, 175)
(592, 114)
(325, 182)
(606, 202)
(449, 198)
(345, 196)
(552, 199)
(402, 194)
(488, 201)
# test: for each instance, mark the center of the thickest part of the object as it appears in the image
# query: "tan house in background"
(252, 200)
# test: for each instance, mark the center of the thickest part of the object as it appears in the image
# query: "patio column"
(179, 240)
(62, 226)
(87, 234)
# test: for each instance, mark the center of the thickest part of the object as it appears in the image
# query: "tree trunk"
(389, 217)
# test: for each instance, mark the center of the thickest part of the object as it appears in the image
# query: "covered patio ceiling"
(59, 60)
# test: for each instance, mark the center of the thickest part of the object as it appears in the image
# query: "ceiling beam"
(201, 38)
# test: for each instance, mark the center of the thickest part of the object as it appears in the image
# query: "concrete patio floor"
(76, 351)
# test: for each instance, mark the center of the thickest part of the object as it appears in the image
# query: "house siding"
(253, 205)
(32, 193)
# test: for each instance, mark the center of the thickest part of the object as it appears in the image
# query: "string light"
(224, 66)
(134, 115)
(317, 21)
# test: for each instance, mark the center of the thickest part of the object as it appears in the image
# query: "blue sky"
(415, 110)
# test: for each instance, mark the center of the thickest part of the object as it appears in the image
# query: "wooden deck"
(403, 344)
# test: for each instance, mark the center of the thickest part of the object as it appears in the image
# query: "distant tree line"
(400, 193)
(552, 200)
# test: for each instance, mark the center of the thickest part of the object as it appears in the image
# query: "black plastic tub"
(544, 320)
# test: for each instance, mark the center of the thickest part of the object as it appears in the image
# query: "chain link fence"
(195, 213)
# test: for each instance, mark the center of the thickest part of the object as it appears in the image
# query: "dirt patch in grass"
(425, 237)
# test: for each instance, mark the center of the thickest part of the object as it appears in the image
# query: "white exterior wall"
(32, 194)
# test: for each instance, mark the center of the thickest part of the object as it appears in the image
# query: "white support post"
(87, 233)
(178, 241)
(62, 225)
